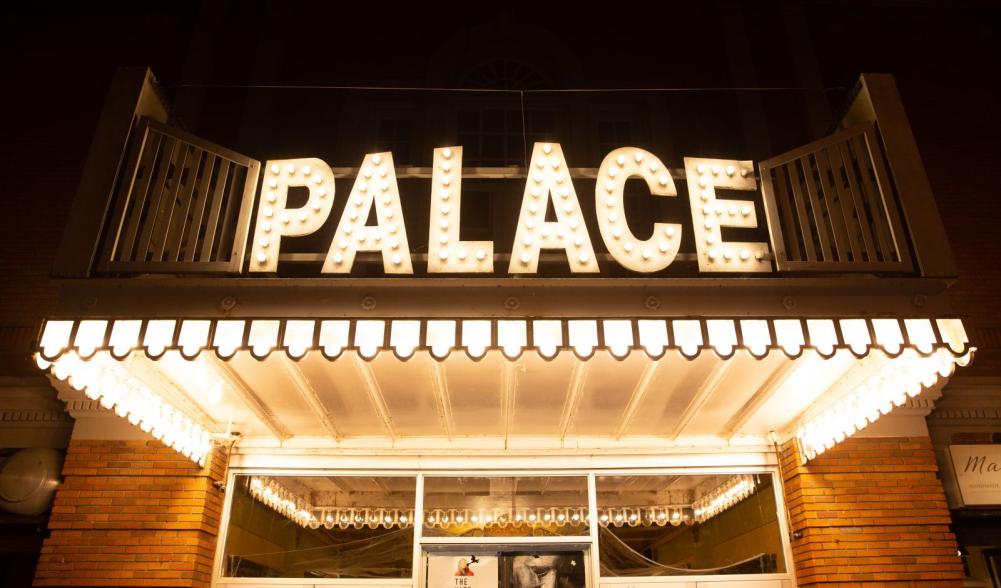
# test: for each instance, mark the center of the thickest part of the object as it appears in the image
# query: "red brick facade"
(870, 512)
(132, 513)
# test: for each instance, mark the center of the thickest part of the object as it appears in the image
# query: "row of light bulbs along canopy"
(279, 498)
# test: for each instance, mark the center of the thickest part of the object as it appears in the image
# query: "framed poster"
(540, 569)
(462, 570)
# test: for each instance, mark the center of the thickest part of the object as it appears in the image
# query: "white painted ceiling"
(495, 399)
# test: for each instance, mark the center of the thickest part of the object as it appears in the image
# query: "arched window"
(491, 128)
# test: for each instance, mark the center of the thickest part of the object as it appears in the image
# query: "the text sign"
(978, 473)
(548, 186)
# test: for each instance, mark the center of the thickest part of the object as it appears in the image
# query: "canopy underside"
(498, 383)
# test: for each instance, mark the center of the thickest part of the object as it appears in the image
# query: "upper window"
(505, 74)
(396, 135)
(497, 134)
(613, 132)
(491, 137)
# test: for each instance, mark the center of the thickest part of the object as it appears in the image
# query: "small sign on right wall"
(978, 473)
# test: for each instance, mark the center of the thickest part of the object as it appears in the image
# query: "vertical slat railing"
(831, 207)
(182, 205)
(200, 196)
(899, 167)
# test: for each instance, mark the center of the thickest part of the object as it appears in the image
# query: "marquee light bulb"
(708, 230)
(443, 251)
(352, 238)
(641, 256)
(550, 184)
(310, 216)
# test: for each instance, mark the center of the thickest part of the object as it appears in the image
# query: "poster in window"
(544, 570)
(462, 571)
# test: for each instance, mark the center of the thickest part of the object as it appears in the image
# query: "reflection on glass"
(321, 527)
(542, 570)
(664, 525)
(505, 506)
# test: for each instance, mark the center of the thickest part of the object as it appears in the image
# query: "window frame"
(521, 466)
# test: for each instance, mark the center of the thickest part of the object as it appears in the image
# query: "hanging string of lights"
(279, 498)
(107, 383)
(276, 496)
(727, 494)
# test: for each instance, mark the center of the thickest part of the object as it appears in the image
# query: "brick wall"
(132, 513)
(870, 511)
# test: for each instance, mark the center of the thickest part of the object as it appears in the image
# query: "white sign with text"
(462, 571)
(978, 473)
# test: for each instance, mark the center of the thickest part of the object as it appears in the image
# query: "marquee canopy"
(502, 383)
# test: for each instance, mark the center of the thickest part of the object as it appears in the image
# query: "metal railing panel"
(182, 205)
(832, 208)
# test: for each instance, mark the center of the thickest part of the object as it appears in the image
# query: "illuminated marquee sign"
(548, 185)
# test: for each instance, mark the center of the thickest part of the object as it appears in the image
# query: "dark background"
(741, 80)
(737, 80)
